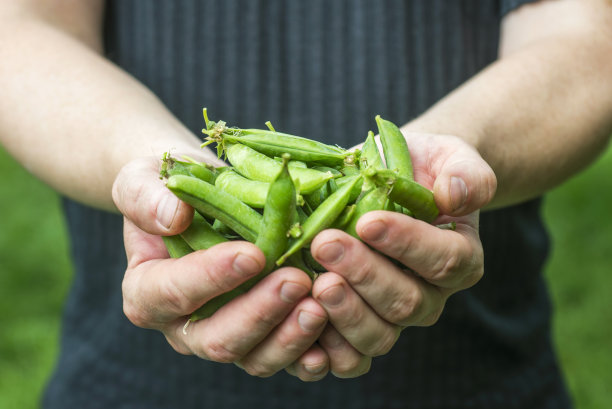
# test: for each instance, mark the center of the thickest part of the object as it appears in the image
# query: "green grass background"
(35, 275)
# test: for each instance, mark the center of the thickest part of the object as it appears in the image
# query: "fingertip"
(463, 191)
(172, 215)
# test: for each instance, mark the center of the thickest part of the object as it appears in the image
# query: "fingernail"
(166, 210)
(458, 192)
(315, 369)
(292, 292)
(330, 253)
(333, 296)
(245, 265)
(310, 322)
(374, 231)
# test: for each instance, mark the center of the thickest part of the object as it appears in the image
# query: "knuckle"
(178, 347)
(176, 299)
(363, 275)
(382, 344)
(136, 315)
(472, 277)
(401, 248)
(353, 319)
(289, 343)
(134, 311)
(444, 269)
(403, 310)
(352, 368)
(218, 351)
(264, 317)
(258, 369)
(432, 318)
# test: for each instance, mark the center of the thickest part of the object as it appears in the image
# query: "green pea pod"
(272, 240)
(317, 197)
(203, 172)
(345, 217)
(292, 163)
(251, 192)
(215, 203)
(374, 199)
(277, 217)
(297, 260)
(311, 262)
(176, 246)
(333, 171)
(257, 166)
(172, 166)
(200, 235)
(370, 155)
(356, 192)
(224, 230)
(274, 144)
(407, 193)
(349, 170)
(397, 155)
(322, 217)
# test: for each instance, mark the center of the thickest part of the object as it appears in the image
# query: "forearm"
(539, 114)
(71, 117)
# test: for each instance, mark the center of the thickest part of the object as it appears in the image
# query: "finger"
(313, 365)
(445, 258)
(361, 326)
(396, 295)
(465, 183)
(142, 197)
(156, 291)
(289, 340)
(344, 360)
(239, 326)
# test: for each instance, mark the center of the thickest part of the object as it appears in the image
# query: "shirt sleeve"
(506, 6)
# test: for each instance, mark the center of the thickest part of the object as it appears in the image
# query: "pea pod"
(350, 170)
(172, 166)
(407, 193)
(356, 192)
(272, 240)
(374, 199)
(272, 143)
(200, 235)
(257, 166)
(397, 155)
(176, 246)
(322, 217)
(370, 155)
(277, 217)
(333, 171)
(202, 172)
(344, 218)
(214, 202)
(251, 192)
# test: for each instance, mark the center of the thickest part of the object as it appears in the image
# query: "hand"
(368, 297)
(273, 326)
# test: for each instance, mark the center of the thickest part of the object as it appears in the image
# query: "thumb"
(465, 184)
(142, 197)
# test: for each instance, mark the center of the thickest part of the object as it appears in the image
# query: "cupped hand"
(403, 270)
(273, 326)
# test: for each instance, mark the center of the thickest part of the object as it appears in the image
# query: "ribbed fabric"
(321, 69)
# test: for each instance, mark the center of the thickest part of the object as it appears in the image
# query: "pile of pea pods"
(279, 191)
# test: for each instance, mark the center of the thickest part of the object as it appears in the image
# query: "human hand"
(273, 326)
(370, 298)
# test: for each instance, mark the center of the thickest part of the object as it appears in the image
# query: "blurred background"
(35, 274)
